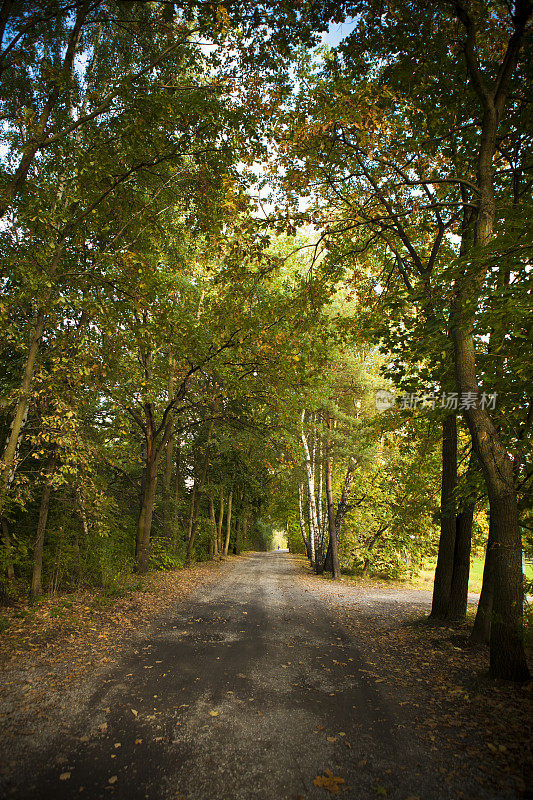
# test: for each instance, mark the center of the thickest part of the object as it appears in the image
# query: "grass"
(424, 580)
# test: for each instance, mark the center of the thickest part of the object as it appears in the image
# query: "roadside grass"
(424, 579)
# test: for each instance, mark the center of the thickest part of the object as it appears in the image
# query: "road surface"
(253, 691)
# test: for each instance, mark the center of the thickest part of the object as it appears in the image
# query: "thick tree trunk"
(333, 542)
(228, 524)
(482, 623)
(507, 657)
(444, 570)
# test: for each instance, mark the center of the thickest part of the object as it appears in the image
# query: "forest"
(254, 280)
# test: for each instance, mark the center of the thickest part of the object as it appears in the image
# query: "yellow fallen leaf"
(64, 776)
(138, 741)
(213, 713)
(135, 713)
(329, 782)
(331, 738)
(113, 779)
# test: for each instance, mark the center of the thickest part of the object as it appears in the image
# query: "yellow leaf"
(213, 713)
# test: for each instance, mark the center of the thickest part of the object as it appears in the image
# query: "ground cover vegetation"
(183, 373)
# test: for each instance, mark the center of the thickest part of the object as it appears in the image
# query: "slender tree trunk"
(238, 536)
(444, 570)
(302, 523)
(379, 533)
(461, 564)
(192, 534)
(144, 525)
(10, 570)
(21, 411)
(228, 524)
(482, 623)
(176, 520)
(342, 510)
(212, 517)
(333, 543)
(36, 588)
(313, 519)
(220, 521)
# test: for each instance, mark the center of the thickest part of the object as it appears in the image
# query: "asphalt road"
(253, 690)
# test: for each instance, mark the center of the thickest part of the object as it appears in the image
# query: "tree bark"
(313, 519)
(301, 518)
(228, 523)
(444, 570)
(10, 570)
(333, 542)
(507, 656)
(482, 623)
(192, 533)
(458, 603)
(212, 517)
(144, 525)
(36, 588)
(220, 521)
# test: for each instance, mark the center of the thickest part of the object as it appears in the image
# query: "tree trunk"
(333, 543)
(461, 564)
(366, 566)
(444, 570)
(176, 519)
(482, 623)
(228, 524)
(313, 519)
(507, 656)
(301, 518)
(10, 570)
(194, 522)
(36, 588)
(144, 525)
(212, 517)
(220, 521)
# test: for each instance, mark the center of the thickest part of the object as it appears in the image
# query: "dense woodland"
(221, 239)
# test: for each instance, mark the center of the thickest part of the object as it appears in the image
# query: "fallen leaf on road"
(64, 776)
(331, 738)
(135, 713)
(213, 713)
(113, 779)
(329, 782)
(138, 741)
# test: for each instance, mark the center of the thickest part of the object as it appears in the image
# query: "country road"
(252, 688)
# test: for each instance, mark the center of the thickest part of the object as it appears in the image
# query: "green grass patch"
(424, 580)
